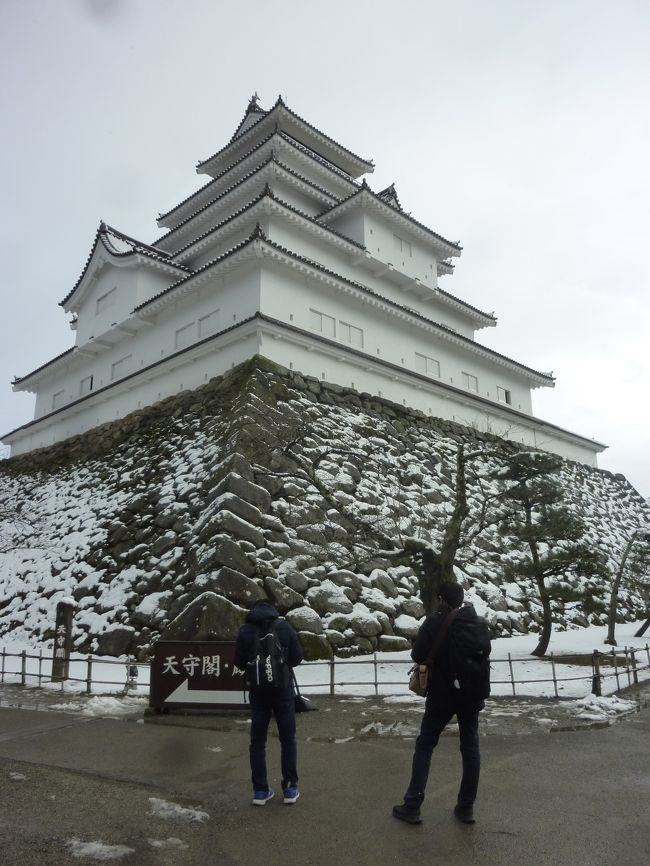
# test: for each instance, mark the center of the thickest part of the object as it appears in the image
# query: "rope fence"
(623, 665)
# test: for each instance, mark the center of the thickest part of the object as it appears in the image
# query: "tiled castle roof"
(118, 244)
(278, 108)
(364, 189)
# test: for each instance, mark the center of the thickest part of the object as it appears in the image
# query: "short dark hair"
(451, 593)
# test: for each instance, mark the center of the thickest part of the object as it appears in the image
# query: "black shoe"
(410, 814)
(465, 814)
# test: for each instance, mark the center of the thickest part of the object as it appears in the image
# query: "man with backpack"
(268, 649)
(455, 644)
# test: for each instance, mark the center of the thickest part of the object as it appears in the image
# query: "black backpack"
(267, 668)
(469, 657)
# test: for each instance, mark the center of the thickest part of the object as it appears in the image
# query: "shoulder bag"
(420, 674)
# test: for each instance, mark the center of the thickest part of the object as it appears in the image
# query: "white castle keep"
(286, 254)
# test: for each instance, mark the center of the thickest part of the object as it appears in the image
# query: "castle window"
(350, 334)
(402, 246)
(323, 323)
(470, 382)
(209, 324)
(106, 300)
(184, 336)
(503, 395)
(429, 366)
(57, 399)
(86, 385)
(121, 368)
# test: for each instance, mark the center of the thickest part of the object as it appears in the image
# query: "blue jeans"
(438, 712)
(281, 705)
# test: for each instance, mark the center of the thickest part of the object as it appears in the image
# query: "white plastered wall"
(392, 338)
(339, 261)
(321, 364)
(217, 304)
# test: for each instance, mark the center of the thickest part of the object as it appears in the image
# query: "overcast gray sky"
(520, 128)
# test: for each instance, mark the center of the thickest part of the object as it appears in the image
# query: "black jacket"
(262, 615)
(441, 684)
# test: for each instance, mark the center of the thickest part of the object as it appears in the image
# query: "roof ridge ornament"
(254, 104)
(389, 196)
(258, 234)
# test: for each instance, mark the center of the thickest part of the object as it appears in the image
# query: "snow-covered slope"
(266, 484)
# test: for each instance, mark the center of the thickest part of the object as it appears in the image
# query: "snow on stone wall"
(265, 484)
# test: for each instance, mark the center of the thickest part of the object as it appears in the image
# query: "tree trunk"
(451, 537)
(436, 568)
(613, 598)
(547, 613)
(429, 579)
(547, 624)
(611, 614)
(643, 629)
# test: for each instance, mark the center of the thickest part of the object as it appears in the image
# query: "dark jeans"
(438, 712)
(282, 707)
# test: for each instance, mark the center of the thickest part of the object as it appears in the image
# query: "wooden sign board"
(196, 674)
(62, 641)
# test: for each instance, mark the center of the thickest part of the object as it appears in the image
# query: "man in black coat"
(443, 702)
(279, 702)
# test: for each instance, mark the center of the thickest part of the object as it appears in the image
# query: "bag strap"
(444, 628)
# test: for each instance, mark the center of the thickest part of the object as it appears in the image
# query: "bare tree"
(289, 448)
(16, 526)
(633, 569)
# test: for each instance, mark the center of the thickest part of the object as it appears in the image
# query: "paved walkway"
(568, 797)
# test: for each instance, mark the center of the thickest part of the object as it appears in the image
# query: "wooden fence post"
(376, 680)
(614, 659)
(89, 675)
(635, 673)
(554, 677)
(512, 676)
(332, 675)
(23, 668)
(595, 680)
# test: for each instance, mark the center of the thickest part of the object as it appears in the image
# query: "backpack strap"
(444, 628)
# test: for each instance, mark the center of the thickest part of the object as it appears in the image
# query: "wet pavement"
(340, 716)
(173, 789)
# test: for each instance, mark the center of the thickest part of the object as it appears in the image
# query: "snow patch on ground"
(597, 709)
(164, 809)
(167, 844)
(97, 850)
(103, 705)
